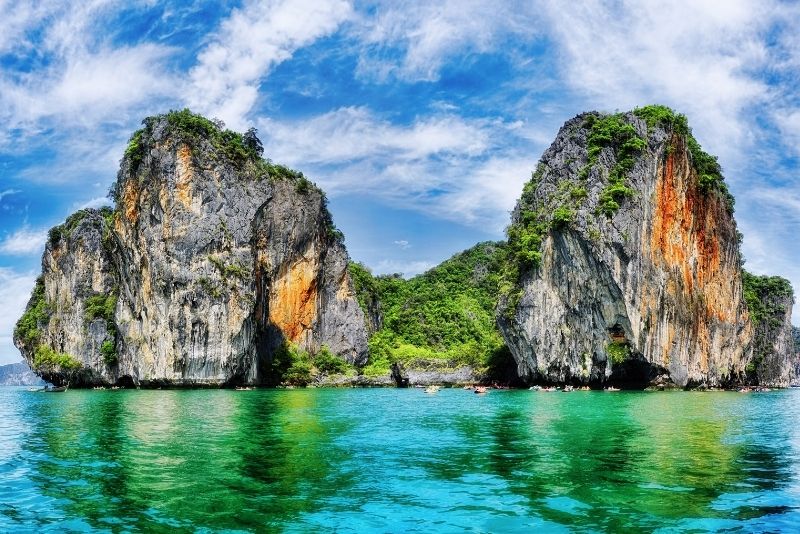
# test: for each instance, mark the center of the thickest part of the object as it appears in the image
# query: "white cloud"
(225, 83)
(15, 289)
(23, 242)
(403, 267)
(352, 133)
(412, 40)
(95, 203)
(695, 56)
(8, 192)
(466, 170)
(402, 243)
(86, 88)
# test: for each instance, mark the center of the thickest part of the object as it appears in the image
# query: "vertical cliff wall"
(212, 259)
(770, 300)
(625, 259)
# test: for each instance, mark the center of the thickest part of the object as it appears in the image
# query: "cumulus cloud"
(465, 170)
(95, 203)
(23, 242)
(692, 55)
(8, 192)
(407, 268)
(225, 82)
(412, 40)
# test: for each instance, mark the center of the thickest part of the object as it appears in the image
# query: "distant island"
(19, 374)
(219, 268)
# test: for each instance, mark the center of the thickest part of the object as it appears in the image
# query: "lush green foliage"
(366, 287)
(709, 172)
(36, 316)
(658, 115)
(100, 307)
(443, 318)
(618, 351)
(46, 358)
(104, 307)
(525, 240)
(238, 149)
(109, 352)
(562, 216)
(64, 231)
(612, 131)
(763, 295)
(327, 363)
(134, 152)
(293, 366)
(232, 270)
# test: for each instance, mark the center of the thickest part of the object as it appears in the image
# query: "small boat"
(243, 388)
(611, 388)
(432, 389)
(567, 389)
(55, 389)
(535, 388)
(480, 389)
(550, 389)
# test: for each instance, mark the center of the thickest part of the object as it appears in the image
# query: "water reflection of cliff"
(615, 462)
(181, 460)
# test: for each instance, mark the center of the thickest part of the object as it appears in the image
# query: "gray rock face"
(215, 263)
(774, 357)
(652, 288)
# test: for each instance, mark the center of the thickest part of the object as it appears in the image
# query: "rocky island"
(218, 268)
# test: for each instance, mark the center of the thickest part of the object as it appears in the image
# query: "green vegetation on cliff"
(709, 172)
(239, 149)
(763, 295)
(766, 298)
(612, 131)
(46, 359)
(293, 366)
(442, 319)
(36, 316)
(103, 307)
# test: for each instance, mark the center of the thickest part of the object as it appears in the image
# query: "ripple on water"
(397, 460)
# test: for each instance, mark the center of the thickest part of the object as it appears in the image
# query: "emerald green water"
(390, 460)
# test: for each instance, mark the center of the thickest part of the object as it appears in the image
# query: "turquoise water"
(387, 460)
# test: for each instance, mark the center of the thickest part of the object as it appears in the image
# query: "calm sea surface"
(387, 460)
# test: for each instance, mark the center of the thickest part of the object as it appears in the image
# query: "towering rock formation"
(211, 261)
(769, 300)
(625, 259)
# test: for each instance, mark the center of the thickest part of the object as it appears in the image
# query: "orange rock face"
(687, 228)
(184, 175)
(293, 300)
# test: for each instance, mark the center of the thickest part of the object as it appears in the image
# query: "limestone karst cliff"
(625, 263)
(216, 267)
(769, 301)
(212, 260)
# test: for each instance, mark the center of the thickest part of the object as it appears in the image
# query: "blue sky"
(420, 119)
